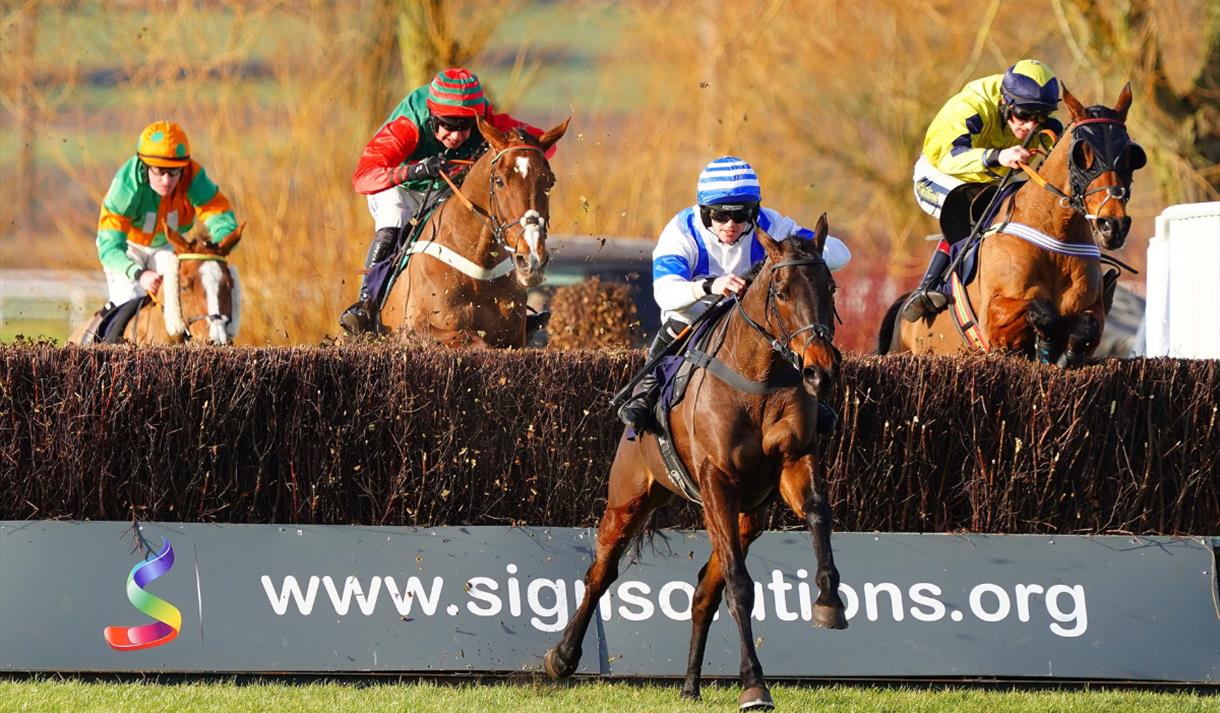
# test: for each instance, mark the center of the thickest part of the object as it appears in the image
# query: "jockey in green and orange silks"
(159, 187)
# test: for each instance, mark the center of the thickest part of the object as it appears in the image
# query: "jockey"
(703, 251)
(403, 161)
(977, 138)
(161, 186)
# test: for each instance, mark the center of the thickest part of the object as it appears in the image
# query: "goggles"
(737, 215)
(1035, 115)
(455, 123)
(163, 171)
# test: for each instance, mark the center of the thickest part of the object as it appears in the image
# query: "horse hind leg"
(706, 600)
(805, 494)
(633, 497)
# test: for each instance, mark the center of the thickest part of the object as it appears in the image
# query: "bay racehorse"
(481, 249)
(199, 299)
(1039, 289)
(741, 449)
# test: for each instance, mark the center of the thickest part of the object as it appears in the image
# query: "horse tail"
(886, 334)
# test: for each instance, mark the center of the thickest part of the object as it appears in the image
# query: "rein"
(816, 330)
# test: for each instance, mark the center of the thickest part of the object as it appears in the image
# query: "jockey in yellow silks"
(976, 138)
(160, 187)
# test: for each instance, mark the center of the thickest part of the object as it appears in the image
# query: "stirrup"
(355, 320)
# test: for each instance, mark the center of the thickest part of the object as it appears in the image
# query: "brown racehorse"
(740, 449)
(1039, 287)
(200, 301)
(481, 249)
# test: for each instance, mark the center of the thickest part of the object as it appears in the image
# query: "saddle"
(965, 207)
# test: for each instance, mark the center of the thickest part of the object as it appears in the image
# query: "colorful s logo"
(169, 619)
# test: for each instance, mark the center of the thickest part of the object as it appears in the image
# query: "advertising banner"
(107, 596)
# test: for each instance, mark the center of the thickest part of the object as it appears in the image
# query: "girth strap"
(786, 379)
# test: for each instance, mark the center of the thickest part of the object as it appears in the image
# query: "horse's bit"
(817, 330)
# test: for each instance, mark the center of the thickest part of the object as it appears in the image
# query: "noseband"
(817, 330)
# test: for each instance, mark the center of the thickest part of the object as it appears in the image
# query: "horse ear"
(1074, 106)
(819, 234)
(1124, 102)
(230, 240)
(769, 244)
(176, 240)
(494, 136)
(547, 140)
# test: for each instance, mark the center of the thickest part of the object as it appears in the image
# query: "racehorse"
(1039, 290)
(741, 448)
(199, 299)
(481, 251)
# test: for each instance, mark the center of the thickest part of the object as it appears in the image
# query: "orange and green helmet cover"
(164, 144)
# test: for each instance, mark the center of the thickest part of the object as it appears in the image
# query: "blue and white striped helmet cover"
(728, 180)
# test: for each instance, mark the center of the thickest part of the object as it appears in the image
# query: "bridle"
(1109, 140)
(214, 320)
(817, 330)
(499, 229)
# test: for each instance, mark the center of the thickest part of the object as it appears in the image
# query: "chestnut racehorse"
(1039, 292)
(199, 299)
(741, 449)
(481, 249)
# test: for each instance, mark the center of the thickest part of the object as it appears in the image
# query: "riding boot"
(927, 299)
(358, 318)
(536, 322)
(637, 412)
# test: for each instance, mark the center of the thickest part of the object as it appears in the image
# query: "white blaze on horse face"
(523, 166)
(533, 225)
(211, 274)
(165, 262)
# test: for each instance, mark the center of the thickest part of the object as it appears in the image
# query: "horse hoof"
(690, 694)
(756, 698)
(828, 617)
(556, 668)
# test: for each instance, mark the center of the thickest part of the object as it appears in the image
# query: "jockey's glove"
(430, 167)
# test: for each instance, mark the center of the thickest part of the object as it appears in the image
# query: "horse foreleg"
(1022, 326)
(633, 498)
(1084, 336)
(806, 495)
(706, 600)
(721, 511)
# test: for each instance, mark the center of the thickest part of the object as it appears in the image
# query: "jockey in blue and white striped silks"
(690, 251)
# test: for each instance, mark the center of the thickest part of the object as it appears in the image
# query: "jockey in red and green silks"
(403, 161)
(976, 140)
(158, 187)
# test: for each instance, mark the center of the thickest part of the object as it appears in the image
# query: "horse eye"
(499, 181)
